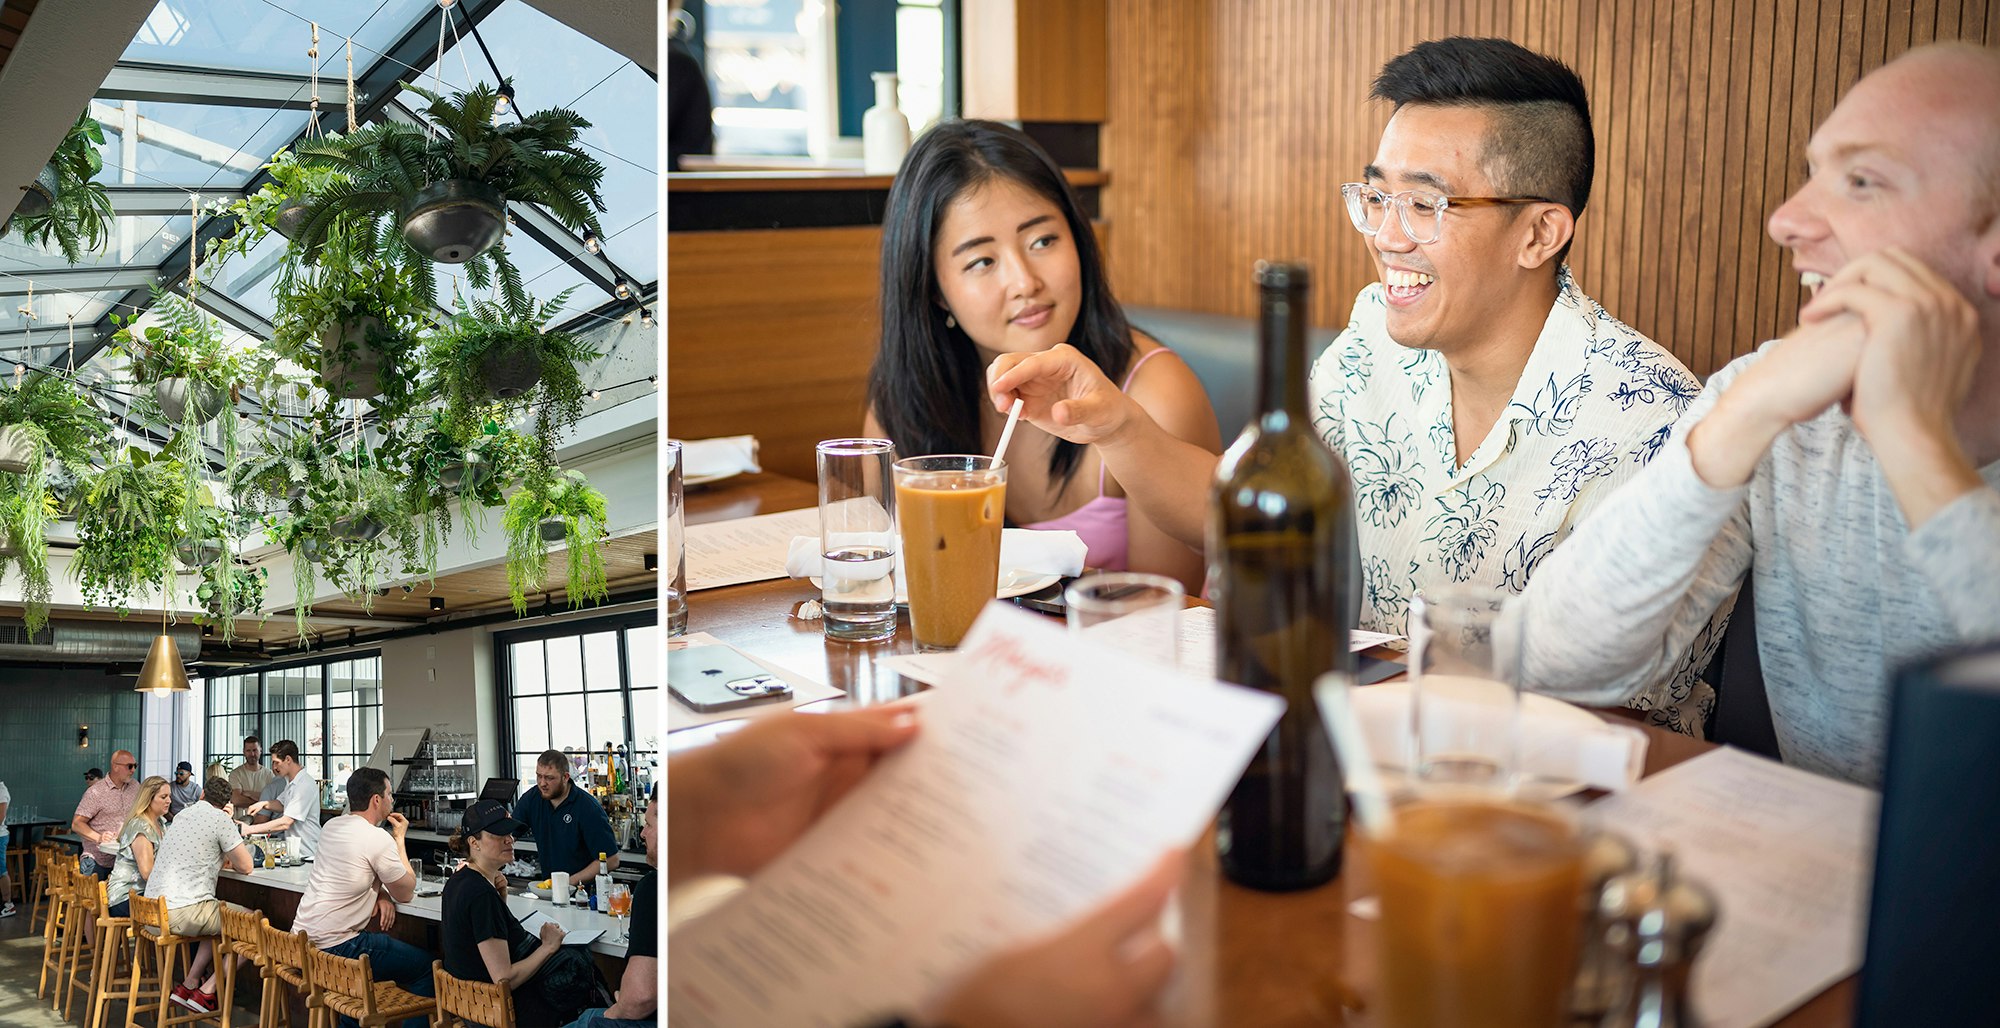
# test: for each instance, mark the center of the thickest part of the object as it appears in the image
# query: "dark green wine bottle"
(1280, 549)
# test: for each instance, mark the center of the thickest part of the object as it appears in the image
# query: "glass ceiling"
(215, 147)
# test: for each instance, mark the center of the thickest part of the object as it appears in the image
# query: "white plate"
(1012, 584)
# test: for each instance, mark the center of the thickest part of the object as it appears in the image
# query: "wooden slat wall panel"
(772, 335)
(1233, 122)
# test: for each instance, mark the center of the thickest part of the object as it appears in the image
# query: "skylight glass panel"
(269, 35)
(192, 145)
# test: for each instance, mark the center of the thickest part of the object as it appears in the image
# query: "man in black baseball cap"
(186, 789)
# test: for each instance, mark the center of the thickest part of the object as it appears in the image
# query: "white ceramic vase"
(885, 133)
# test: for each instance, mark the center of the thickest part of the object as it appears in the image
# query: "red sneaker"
(201, 1002)
(184, 996)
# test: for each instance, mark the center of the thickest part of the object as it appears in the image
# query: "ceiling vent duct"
(93, 642)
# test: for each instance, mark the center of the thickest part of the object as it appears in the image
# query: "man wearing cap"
(569, 826)
(186, 790)
(358, 877)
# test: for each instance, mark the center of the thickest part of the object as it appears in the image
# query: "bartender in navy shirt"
(569, 826)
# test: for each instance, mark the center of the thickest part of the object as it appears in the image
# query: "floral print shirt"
(1594, 404)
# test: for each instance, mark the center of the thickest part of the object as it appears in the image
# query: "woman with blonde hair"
(138, 843)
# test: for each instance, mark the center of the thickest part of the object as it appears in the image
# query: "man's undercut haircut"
(1540, 142)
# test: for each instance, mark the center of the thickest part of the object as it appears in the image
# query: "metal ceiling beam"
(403, 61)
(160, 201)
(80, 280)
(224, 306)
(193, 84)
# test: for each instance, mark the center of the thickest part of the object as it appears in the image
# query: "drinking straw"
(1013, 418)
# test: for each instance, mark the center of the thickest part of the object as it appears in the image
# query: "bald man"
(1848, 469)
(102, 812)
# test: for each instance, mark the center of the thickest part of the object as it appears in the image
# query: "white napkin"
(1021, 549)
(721, 457)
(1558, 741)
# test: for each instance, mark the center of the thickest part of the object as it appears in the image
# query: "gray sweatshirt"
(1846, 594)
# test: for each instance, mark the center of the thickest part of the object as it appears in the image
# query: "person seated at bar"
(102, 812)
(297, 803)
(482, 941)
(359, 874)
(186, 790)
(986, 251)
(737, 803)
(569, 825)
(193, 852)
(638, 999)
(138, 844)
(1484, 404)
(1850, 468)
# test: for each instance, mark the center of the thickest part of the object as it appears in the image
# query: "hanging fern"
(79, 220)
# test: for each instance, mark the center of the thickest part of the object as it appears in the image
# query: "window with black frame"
(581, 687)
(331, 708)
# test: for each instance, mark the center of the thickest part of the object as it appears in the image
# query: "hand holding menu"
(1049, 775)
(571, 937)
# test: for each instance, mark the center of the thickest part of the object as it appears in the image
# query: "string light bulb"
(594, 394)
(646, 316)
(505, 102)
(591, 243)
(623, 289)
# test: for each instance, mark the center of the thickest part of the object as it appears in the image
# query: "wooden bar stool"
(114, 951)
(169, 952)
(48, 856)
(80, 949)
(17, 862)
(56, 929)
(463, 1004)
(285, 964)
(347, 986)
(241, 937)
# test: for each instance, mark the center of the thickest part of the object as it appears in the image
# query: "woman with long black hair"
(986, 251)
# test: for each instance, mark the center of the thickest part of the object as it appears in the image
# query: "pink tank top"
(1100, 522)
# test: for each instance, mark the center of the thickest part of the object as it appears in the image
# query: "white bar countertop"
(430, 908)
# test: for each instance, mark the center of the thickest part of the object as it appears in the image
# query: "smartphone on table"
(714, 678)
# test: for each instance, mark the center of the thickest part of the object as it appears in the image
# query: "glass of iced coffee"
(949, 510)
(1479, 919)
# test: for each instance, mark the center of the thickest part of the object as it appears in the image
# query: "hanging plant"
(490, 366)
(66, 423)
(353, 320)
(183, 356)
(361, 506)
(27, 508)
(550, 508)
(280, 206)
(66, 205)
(230, 590)
(129, 519)
(447, 185)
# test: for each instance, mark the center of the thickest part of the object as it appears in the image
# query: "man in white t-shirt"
(6, 883)
(193, 852)
(359, 876)
(299, 822)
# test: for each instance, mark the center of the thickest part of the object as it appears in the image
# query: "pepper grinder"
(1601, 971)
(1658, 922)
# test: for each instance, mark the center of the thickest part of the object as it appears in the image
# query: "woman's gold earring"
(949, 321)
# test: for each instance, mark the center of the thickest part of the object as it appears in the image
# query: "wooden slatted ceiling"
(1232, 125)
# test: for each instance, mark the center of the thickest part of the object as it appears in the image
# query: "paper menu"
(572, 937)
(1788, 854)
(1046, 776)
(743, 550)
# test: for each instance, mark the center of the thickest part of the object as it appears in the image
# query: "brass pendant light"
(162, 674)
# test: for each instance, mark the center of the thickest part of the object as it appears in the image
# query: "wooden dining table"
(1247, 958)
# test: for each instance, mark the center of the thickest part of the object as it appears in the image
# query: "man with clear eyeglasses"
(1850, 470)
(1484, 404)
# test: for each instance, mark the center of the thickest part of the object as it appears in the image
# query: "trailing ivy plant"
(228, 590)
(540, 160)
(80, 217)
(186, 343)
(338, 296)
(27, 508)
(129, 520)
(562, 498)
(483, 334)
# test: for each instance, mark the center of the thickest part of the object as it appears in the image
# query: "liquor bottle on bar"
(1280, 552)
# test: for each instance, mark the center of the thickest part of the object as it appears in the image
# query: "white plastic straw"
(1357, 765)
(1013, 418)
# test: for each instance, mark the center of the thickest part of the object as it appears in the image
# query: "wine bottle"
(1280, 549)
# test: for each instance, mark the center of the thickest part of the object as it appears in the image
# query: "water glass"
(1129, 610)
(677, 604)
(1464, 690)
(857, 538)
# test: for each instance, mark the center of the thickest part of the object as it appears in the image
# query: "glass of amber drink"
(1479, 920)
(949, 510)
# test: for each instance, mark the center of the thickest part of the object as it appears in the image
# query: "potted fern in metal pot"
(129, 519)
(491, 366)
(552, 507)
(66, 205)
(447, 185)
(184, 357)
